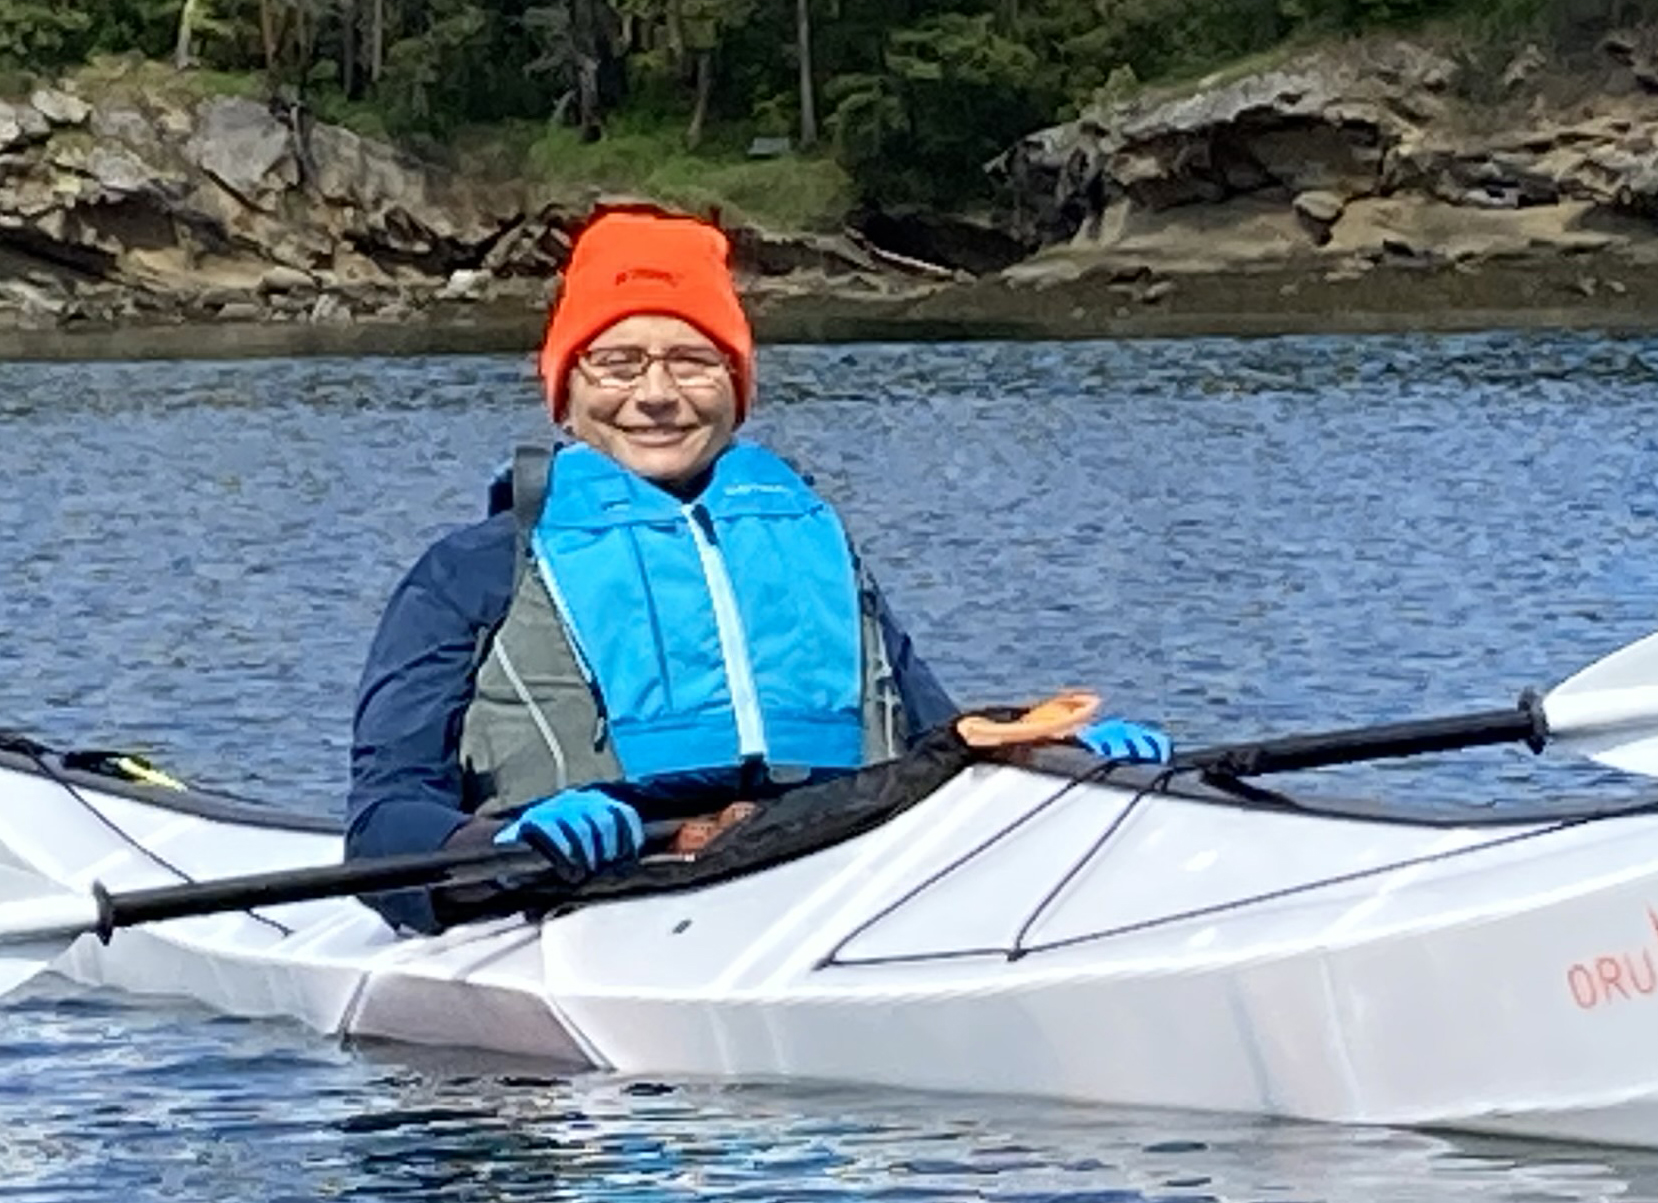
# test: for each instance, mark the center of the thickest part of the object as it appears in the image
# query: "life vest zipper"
(739, 670)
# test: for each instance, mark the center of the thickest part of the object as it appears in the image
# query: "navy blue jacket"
(418, 682)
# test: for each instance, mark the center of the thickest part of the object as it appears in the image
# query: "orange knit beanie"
(625, 263)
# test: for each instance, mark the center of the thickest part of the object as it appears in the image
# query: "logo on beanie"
(651, 274)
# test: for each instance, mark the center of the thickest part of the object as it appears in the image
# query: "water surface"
(1234, 538)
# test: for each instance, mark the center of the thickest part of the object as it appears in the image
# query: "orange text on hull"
(1615, 976)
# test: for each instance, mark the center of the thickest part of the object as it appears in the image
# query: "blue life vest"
(715, 631)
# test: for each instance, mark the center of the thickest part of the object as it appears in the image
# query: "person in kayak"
(659, 619)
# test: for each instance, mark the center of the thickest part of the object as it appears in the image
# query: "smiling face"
(673, 420)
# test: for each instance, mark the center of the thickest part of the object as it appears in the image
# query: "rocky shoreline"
(1536, 294)
(1360, 186)
(1373, 185)
(126, 206)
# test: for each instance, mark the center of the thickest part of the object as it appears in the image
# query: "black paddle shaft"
(1523, 724)
(378, 875)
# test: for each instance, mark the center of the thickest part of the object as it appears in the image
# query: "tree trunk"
(587, 98)
(377, 42)
(305, 47)
(676, 35)
(808, 99)
(349, 41)
(588, 40)
(181, 48)
(705, 85)
(269, 34)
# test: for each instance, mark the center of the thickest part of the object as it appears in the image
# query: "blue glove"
(1130, 743)
(586, 829)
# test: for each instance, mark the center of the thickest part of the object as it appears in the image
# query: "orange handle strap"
(1057, 718)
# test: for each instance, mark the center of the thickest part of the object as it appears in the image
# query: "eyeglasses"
(622, 368)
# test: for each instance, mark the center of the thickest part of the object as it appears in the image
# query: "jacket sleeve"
(926, 705)
(405, 794)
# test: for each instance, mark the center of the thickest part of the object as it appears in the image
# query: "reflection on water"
(1234, 538)
(106, 1099)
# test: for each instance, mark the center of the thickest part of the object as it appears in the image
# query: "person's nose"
(656, 389)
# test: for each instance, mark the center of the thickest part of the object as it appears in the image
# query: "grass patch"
(131, 77)
(807, 192)
(1258, 63)
(797, 192)
(1195, 78)
(360, 117)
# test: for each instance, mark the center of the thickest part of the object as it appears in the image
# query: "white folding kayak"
(1132, 941)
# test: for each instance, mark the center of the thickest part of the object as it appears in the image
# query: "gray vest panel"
(534, 727)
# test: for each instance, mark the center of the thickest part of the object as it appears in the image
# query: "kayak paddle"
(35, 931)
(1608, 712)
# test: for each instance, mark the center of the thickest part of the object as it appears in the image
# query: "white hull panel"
(1494, 978)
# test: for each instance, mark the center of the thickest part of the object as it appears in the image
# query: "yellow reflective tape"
(141, 772)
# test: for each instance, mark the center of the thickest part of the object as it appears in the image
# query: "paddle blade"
(1609, 711)
(21, 964)
(1630, 667)
(34, 932)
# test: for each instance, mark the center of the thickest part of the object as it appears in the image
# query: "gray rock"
(349, 169)
(32, 300)
(1522, 68)
(60, 108)
(1321, 207)
(215, 299)
(121, 123)
(384, 198)
(118, 170)
(1346, 122)
(245, 149)
(1323, 123)
(154, 189)
(53, 224)
(285, 279)
(21, 124)
(1619, 46)
(1044, 272)
(330, 309)
(287, 305)
(465, 285)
